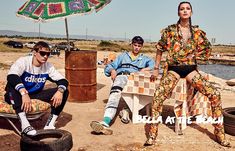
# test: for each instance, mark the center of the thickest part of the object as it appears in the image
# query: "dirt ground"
(76, 118)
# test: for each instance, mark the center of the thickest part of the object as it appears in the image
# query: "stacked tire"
(229, 120)
(47, 140)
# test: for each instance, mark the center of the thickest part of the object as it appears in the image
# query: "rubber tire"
(63, 143)
(229, 120)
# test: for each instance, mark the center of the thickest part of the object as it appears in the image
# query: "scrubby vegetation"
(98, 45)
(223, 49)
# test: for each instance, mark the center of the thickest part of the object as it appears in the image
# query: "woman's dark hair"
(190, 21)
(40, 45)
(184, 2)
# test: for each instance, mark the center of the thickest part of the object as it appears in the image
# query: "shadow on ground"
(100, 86)
(39, 123)
(11, 142)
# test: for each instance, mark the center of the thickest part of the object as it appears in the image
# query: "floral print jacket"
(184, 53)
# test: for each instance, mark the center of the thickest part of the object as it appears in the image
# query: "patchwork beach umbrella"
(46, 10)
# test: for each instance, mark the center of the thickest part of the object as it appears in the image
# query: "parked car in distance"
(29, 44)
(55, 52)
(51, 46)
(64, 46)
(14, 44)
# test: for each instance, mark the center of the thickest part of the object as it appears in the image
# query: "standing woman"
(185, 44)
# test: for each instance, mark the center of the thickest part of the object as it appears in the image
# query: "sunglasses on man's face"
(43, 53)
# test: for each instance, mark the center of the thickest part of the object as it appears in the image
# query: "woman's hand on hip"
(154, 76)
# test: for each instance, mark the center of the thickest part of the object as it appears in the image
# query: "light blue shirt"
(124, 63)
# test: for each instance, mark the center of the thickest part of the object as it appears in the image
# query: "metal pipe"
(67, 33)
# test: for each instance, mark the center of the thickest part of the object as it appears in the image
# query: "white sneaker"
(101, 127)
(49, 128)
(124, 116)
(30, 131)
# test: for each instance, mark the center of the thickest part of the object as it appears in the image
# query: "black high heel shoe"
(220, 137)
(150, 142)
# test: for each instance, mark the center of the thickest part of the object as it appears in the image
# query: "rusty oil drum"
(80, 71)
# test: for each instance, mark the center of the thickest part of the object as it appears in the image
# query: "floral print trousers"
(167, 85)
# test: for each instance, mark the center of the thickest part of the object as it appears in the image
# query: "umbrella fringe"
(26, 17)
(53, 19)
(106, 3)
(23, 12)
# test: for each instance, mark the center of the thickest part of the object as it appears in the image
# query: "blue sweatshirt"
(124, 63)
(23, 74)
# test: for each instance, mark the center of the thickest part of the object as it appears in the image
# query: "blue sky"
(127, 18)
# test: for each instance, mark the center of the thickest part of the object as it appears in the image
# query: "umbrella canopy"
(43, 10)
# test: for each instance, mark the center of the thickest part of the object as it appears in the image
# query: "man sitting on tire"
(25, 81)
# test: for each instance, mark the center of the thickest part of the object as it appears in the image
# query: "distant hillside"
(36, 34)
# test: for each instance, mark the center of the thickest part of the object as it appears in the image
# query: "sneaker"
(101, 127)
(150, 142)
(30, 131)
(124, 116)
(49, 128)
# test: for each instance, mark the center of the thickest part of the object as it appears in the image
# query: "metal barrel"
(80, 71)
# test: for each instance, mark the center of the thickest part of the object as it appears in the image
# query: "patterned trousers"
(167, 85)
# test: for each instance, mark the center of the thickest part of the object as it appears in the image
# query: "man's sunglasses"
(43, 53)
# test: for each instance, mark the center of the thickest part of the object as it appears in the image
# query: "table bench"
(139, 92)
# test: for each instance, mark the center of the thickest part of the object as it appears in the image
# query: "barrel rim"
(83, 51)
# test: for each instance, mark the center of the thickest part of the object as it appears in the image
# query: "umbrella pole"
(67, 33)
